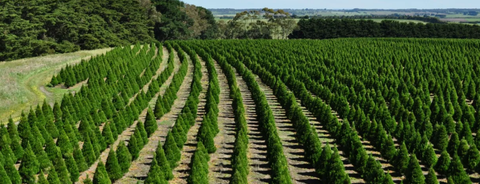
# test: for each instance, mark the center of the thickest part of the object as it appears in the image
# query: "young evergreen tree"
(113, 168)
(429, 156)
(414, 172)
(453, 144)
(12, 172)
(53, 177)
(431, 178)
(456, 171)
(143, 132)
(29, 166)
(88, 152)
(163, 163)
(171, 150)
(441, 138)
(16, 147)
(443, 163)
(470, 161)
(336, 170)
(101, 175)
(42, 179)
(463, 148)
(155, 175)
(150, 123)
(374, 172)
(4, 178)
(321, 167)
(123, 156)
(401, 160)
(80, 160)
(133, 146)
(107, 134)
(72, 167)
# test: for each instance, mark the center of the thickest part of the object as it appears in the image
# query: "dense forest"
(39, 27)
(340, 28)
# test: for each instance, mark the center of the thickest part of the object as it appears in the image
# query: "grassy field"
(22, 83)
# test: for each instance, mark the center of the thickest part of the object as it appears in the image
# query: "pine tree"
(206, 135)
(62, 170)
(16, 147)
(441, 138)
(163, 163)
(429, 156)
(51, 149)
(374, 173)
(29, 166)
(80, 160)
(172, 153)
(52, 129)
(41, 178)
(123, 156)
(53, 177)
(456, 171)
(64, 143)
(101, 175)
(414, 172)
(113, 168)
(12, 172)
(88, 152)
(150, 122)
(431, 178)
(443, 163)
(143, 132)
(107, 134)
(198, 173)
(155, 175)
(336, 170)
(4, 176)
(453, 144)
(321, 167)
(401, 160)
(87, 180)
(463, 148)
(470, 161)
(133, 146)
(72, 167)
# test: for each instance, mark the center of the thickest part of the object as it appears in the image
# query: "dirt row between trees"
(140, 167)
(300, 169)
(257, 147)
(181, 172)
(220, 165)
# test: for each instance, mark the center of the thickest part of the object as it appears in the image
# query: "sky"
(336, 4)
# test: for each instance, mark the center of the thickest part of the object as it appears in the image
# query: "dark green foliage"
(174, 24)
(336, 170)
(155, 175)
(453, 144)
(150, 123)
(123, 157)
(72, 167)
(113, 168)
(456, 171)
(414, 172)
(199, 166)
(29, 166)
(12, 172)
(42, 179)
(163, 163)
(80, 160)
(401, 160)
(88, 152)
(107, 134)
(443, 163)
(374, 172)
(471, 160)
(101, 175)
(4, 178)
(133, 146)
(53, 177)
(50, 27)
(172, 153)
(431, 178)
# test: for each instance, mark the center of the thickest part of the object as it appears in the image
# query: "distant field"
(22, 82)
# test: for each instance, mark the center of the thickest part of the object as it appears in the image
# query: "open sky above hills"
(338, 4)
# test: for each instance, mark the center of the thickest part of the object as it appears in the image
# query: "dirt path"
(220, 164)
(300, 169)
(127, 133)
(257, 147)
(181, 172)
(139, 168)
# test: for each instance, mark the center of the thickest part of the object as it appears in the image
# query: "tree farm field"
(23, 82)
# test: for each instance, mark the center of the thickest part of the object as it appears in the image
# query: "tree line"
(319, 28)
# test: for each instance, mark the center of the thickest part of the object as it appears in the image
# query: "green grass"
(22, 82)
(399, 20)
